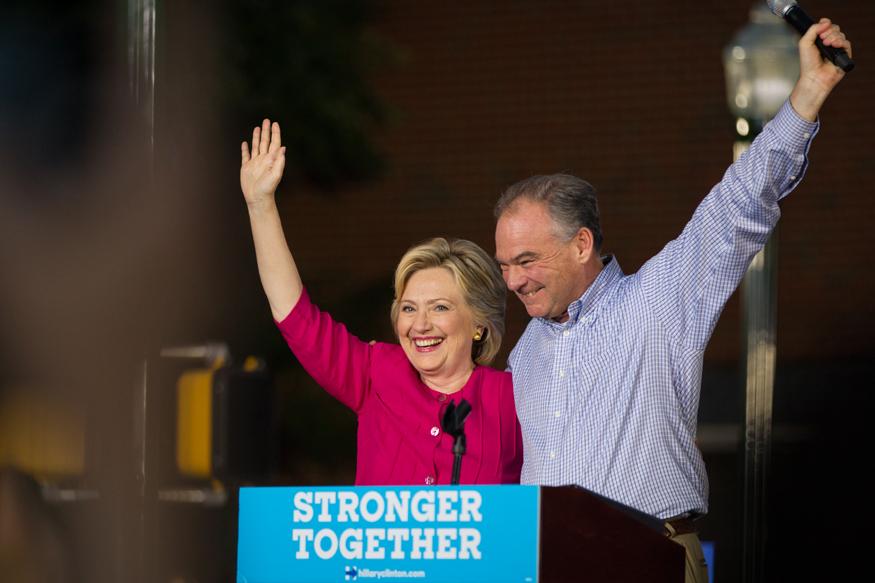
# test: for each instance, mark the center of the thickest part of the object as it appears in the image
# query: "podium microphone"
(790, 11)
(453, 423)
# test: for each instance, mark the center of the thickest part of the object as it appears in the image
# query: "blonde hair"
(477, 276)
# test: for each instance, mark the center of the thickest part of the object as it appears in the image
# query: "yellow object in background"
(41, 435)
(194, 424)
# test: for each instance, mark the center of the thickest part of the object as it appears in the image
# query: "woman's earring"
(477, 335)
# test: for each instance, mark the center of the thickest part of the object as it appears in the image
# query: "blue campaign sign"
(479, 534)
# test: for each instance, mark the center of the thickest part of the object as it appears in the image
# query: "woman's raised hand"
(261, 171)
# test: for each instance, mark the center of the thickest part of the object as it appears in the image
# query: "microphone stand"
(453, 423)
(458, 451)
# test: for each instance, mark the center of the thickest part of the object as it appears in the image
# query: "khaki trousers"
(696, 570)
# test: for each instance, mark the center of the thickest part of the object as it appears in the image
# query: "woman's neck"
(447, 383)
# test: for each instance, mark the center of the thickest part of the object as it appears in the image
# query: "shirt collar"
(592, 296)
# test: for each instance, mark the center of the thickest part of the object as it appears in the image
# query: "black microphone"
(790, 11)
(453, 421)
(454, 424)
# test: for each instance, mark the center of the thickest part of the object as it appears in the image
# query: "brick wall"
(627, 95)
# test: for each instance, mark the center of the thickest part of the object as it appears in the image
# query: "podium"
(455, 534)
(587, 538)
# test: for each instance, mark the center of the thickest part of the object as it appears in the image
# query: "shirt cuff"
(796, 132)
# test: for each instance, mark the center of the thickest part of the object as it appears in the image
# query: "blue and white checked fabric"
(609, 399)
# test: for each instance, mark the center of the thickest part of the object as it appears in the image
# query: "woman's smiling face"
(435, 326)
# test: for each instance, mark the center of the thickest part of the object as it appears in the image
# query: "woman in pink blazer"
(448, 314)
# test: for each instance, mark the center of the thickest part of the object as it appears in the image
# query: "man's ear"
(584, 243)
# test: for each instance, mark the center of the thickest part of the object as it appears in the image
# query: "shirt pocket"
(596, 354)
(532, 390)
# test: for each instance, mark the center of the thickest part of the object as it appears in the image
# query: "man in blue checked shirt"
(607, 374)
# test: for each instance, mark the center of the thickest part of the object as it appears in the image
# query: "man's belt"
(679, 526)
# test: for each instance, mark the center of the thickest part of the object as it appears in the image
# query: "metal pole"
(141, 52)
(759, 321)
(142, 23)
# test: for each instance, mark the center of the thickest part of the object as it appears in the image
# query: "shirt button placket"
(435, 432)
(556, 398)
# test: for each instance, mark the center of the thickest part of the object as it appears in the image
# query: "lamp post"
(761, 65)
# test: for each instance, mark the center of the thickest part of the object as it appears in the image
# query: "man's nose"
(514, 277)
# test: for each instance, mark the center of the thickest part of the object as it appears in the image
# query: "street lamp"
(761, 65)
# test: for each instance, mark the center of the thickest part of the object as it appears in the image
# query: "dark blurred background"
(123, 234)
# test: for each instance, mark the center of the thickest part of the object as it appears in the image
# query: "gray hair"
(571, 202)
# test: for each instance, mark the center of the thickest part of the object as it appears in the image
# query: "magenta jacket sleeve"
(334, 357)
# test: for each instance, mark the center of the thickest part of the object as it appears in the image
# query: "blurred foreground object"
(41, 436)
(223, 417)
(33, 544)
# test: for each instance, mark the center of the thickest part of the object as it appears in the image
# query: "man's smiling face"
(542, 269)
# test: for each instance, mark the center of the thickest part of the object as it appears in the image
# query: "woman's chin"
(435, 362)
(427, 363)
(427, 366)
